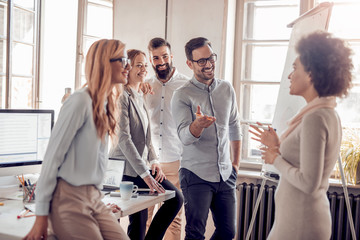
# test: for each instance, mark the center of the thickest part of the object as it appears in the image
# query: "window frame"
(242, 69)
(9, 75)
(82, 36)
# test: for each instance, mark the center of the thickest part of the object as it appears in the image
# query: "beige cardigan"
(308, 156)
(132, 140)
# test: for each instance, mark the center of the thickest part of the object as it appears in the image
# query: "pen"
(23, 213)
(32, 193)
(22, 183)
(30, 215)
(23, 180)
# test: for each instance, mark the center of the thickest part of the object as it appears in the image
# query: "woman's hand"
(156, 169)
(153, 184)
(269, 154)
(114, 208)
(268, 137)
(39, 230)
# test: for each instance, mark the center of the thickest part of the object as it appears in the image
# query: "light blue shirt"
(209, 155)
(75, 153)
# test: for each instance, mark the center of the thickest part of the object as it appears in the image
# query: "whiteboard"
(287, 105)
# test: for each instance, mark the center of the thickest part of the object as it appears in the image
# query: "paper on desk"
(114, 173)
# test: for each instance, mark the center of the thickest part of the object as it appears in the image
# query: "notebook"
(113, 175)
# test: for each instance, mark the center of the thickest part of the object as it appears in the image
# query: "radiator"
(248, 193)
(340, 222)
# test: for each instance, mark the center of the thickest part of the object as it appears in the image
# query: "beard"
(163, 74)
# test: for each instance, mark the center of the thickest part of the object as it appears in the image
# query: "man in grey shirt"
(208, 124)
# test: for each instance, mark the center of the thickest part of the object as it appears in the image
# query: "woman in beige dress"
(306, 152)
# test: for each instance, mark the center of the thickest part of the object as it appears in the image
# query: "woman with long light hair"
(68, 190)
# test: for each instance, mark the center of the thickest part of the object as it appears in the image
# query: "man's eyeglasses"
(202, 61)
(124, 61)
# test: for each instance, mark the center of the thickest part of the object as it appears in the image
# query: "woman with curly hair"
(306, 152)
(68, 191)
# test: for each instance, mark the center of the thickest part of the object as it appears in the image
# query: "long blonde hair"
(98, 72)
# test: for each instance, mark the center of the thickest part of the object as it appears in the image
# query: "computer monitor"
(24, 136)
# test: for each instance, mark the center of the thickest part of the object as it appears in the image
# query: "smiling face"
(206, 73)
(300, 80)
(119, 72)
(138, 72)
(161, 60)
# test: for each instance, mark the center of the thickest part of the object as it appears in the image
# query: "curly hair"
(328, 60)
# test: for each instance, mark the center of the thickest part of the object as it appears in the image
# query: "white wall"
(137, 21)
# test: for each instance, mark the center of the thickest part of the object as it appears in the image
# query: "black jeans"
(200, 196)
(163, 217)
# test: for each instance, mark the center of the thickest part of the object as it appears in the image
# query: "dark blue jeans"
(200, 196)
(163, 217)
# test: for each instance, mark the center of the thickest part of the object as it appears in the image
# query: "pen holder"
(29, 194)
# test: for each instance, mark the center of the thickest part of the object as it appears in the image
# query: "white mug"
(127, 189)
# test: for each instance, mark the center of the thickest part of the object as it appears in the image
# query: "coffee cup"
(127, 189)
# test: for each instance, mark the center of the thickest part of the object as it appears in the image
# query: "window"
(264, 43)
(95, 22)
(65, 43)
(19, 53)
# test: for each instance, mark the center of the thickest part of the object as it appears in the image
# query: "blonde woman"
(136, 149)
(68, 192)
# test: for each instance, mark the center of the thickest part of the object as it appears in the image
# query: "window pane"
(263, 21)
(262, 102)
(21, 92)
(22, 62)
(343, 17)
(267, 62)
(3, 56)
(2, 91)
(29, 4)
(99, 21)
(3, 17)
(349, 108)
(87, 44)
(83, 80)
(23, 26)
(250, 149)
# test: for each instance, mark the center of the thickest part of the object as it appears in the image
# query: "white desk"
(137, 204)
(13, 228)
